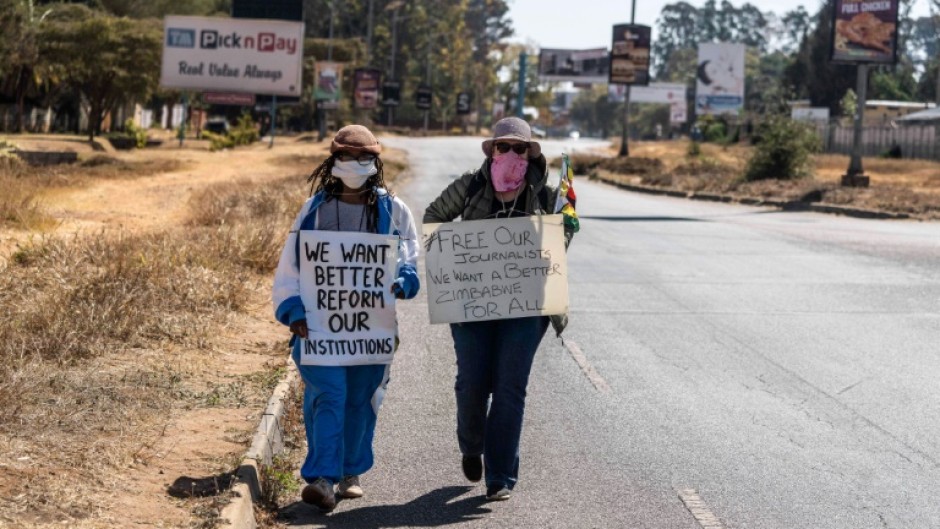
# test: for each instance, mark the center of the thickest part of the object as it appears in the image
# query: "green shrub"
(784, 151)
(715, 132)
(132, 135)
(244, 133)
(217, 142)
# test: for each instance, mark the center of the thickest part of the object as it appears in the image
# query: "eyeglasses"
(518, 148)
(363, 159)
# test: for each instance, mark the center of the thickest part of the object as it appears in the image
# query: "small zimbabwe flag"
(565, 203)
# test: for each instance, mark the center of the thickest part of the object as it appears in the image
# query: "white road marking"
(699, 509)
(599, 383)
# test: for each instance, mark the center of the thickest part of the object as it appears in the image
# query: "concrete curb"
(267, 443)
(785, 205)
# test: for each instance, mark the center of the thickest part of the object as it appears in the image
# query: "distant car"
(574, 135)
(538, 132)
(217, 126)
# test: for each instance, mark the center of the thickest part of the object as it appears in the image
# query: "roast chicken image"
(866, 30)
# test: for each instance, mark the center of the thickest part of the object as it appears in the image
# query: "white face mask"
(352, 174)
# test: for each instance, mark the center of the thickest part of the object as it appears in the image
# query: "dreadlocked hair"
(322, 179)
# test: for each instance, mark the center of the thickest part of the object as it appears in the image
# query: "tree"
(813, 75)
(676, 29)
(489, 26)
(594, 113)
(683, 26)
(26, 73)
(107, 60)
(796, 26)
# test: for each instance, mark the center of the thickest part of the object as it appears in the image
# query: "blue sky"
(587, 23)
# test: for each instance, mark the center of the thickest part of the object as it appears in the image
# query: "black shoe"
(473, 467)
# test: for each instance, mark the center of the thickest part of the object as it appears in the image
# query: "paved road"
(760, 368)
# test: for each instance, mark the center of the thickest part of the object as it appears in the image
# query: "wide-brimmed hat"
(355, 139)
(512, 129)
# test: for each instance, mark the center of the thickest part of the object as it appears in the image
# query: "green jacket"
(453, 202)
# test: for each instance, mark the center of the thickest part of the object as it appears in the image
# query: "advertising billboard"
(366, 87)
(865, 31)
(719, 83)
(672, 94)
(630, 55)
(581, 66)
(329, 76)
(233, 55)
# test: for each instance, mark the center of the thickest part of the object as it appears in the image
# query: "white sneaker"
(498, 494)
(349, 487)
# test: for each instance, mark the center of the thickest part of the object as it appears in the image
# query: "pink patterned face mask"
(508, 171)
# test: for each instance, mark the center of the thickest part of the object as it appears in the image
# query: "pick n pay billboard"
(233, 55)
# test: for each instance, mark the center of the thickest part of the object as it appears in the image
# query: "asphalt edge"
(785, 205)
(267, 442)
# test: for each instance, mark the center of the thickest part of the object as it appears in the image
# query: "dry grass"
(911, 187)
(23, 185)
(98, 340)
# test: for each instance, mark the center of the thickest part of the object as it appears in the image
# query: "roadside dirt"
(910, 187)
(201, 440)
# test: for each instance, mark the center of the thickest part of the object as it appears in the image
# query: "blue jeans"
(340, 407)
(494, 358)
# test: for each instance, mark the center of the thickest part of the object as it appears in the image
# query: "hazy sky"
(587, 23)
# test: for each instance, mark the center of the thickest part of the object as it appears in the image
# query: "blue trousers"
(494, 358)
(340, 407)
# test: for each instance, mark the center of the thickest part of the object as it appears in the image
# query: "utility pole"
(624, 149)
(520, 97)
(391, 67)
(427, 81)
(369, 33)
(329, 58)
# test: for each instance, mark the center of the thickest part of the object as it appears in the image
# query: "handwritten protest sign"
(496, 269)
(345, 282)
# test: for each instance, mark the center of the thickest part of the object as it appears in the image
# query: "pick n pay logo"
(181, 38)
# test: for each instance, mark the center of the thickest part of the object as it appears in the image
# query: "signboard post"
(629, 65)
(863, 32)
(496, 269)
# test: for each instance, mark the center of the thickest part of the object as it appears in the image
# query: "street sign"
(423, 97)
(391, 93)
(228, 98)
(464, 102)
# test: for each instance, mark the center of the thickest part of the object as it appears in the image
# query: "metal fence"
(907, 141)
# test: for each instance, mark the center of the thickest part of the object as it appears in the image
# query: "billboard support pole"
(855, 176)
(520, 97)
(624, 149)
(182, 132)
(273, 119)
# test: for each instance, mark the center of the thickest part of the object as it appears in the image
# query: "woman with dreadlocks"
(341, 402)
